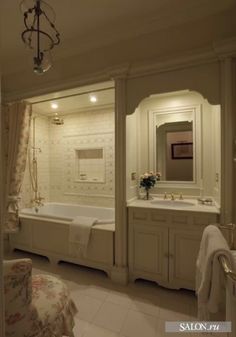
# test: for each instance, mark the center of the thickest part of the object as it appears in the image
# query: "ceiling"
(87, 24)
(75, 100)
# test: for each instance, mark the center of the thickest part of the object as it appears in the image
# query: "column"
(227, 139)
(120, 271)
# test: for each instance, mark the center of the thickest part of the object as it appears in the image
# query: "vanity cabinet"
(164, 245)
(148, 251)
(183, 252)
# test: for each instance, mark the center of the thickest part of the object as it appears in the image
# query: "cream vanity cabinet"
(164, 244)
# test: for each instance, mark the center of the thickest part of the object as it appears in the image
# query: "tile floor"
(106, 309)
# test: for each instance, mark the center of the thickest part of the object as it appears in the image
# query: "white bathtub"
(45, 231)
(67, 212)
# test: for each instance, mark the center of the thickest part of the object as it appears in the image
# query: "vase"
(147, 196)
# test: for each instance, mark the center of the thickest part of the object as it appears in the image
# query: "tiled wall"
(58, 176)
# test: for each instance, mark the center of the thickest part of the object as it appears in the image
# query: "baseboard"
(119, 275)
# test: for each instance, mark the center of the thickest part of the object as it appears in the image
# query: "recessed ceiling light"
(93, 98)
(54, 105)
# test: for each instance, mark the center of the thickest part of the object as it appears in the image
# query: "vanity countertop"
(188, 205)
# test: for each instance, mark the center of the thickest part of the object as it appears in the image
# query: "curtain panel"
(17, 117)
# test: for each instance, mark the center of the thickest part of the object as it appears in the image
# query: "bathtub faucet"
(38, 200)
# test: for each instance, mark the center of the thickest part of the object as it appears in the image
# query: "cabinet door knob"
(171, 256)
(166, 255)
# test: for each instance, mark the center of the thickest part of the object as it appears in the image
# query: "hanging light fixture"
(40, 34)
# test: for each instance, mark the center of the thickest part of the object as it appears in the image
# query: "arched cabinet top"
(204, 79)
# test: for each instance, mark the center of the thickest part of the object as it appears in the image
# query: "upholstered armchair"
(36, 306)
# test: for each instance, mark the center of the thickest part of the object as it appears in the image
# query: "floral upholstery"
(36, 306)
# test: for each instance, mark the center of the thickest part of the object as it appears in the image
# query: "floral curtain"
(17, 118)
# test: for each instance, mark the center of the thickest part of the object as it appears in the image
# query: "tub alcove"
(70, 173)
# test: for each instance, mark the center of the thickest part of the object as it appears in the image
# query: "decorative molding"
(120, 173)
(227, 126)
(226, 47)
(223, 48)
(189, 59)
(119, 72)
(90, 195)
(196, 119)
(89, 134)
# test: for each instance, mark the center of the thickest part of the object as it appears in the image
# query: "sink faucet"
(172, 196)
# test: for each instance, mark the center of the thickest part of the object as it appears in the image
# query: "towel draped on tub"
(209, 273)
(79, 234)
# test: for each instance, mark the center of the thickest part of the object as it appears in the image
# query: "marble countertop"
(188, 205)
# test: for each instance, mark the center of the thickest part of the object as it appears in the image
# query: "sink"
(173, 203)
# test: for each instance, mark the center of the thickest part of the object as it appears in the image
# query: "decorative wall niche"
(90, 165)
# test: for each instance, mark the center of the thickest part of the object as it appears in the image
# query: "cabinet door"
(148, 256)
(183, 251)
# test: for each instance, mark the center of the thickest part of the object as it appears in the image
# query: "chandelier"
(40, 33)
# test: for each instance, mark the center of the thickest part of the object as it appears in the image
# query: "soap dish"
(205, 201)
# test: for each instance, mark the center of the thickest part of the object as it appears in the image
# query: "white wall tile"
(57, 160)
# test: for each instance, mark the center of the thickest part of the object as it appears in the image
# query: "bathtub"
(67, 212)
(45, 231)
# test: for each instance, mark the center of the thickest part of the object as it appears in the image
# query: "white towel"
(79, 232)
(209, 271)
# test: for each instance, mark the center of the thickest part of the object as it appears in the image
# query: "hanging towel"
(209, 271)
(79, 233)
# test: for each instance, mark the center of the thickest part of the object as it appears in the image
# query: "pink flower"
(12, 319)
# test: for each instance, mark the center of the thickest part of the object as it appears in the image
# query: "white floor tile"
(145, 305)
(87, 307)
(81, 327)
(111, 316)
(173, 306)
(97, 331)
(117, 297)
(109, 310)
(138, 324)
(96, 292)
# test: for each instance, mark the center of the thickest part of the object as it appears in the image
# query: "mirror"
(174, 143)
(174, 151)
(178, 134)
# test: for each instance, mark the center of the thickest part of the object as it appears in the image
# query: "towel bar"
(225, 265)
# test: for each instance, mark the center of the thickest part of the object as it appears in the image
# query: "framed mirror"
(175, 145)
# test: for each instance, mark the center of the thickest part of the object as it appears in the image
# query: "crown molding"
(212, 54)
(218, 50)
(190, 59)
(225, 48)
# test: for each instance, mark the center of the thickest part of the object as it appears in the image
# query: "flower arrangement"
(148, 180)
